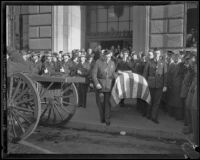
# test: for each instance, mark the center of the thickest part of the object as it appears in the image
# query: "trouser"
(105, 106)
(163, 104)
(153, 109)
(187, 119)
(195, 126)
(142, 106)
(184, 110)
(176, 112)
(82, 92)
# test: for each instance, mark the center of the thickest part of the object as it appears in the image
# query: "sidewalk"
(125, 119)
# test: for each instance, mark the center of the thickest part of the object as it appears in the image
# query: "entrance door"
(109, 44)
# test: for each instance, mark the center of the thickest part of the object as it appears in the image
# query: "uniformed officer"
(103, 76)
(74, 64)
(83, 70)
(164, 99)
(124, 64)
(90, 60)
(66, 64)
(174, 88)
(55, 62)
(155, 73)
(36, 63)
(48, 68)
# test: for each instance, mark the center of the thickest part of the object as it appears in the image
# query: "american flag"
(130, 85)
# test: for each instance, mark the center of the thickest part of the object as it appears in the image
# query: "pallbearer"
(103, 76)
(155, 74)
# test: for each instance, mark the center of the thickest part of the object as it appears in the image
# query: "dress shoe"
(149, 117)
(155, 121)
(143, 114)
(107, 123)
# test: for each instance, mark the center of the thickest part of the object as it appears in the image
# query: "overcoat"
(174, 85)
(156, 74)
(104, 73)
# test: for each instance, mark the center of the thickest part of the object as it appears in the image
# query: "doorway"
(115, 43)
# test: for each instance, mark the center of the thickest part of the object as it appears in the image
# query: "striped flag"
(130, 85)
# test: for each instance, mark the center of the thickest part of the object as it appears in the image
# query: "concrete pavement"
(125, 119)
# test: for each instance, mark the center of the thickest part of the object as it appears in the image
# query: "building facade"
(56, 28)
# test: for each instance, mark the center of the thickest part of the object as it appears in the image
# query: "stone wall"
(167, 26)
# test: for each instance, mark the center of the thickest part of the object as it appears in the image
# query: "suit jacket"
(156, 73)
(187, 81)
(104, 73)
(123, 66)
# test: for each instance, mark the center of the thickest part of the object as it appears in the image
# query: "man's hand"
(98, 86)
(46, 70)
(164, 89)
(119, 72)
(62, 70)
(79, 72)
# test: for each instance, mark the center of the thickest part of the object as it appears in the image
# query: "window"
(106, 20)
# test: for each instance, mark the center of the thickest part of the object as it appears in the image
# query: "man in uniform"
(48, 65)
(103, 76)
(83, 70)
(36, 64)
(66, 64)
(155, 73)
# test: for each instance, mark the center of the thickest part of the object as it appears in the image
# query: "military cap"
(170, 52)
(48, 55)
(125, 50)
(106, 52)
(187, 55)
(75, 55)
(66, 54)
(83, 54)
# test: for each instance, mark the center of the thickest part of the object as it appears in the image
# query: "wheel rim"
(23, 107)
(58, 104)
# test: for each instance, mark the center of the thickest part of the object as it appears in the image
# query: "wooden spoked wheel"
(23, 107)
(58, 102)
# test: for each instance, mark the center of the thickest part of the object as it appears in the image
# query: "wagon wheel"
(23, 107)
(58, 105)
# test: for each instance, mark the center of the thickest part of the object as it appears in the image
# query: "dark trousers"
(153, 109)
(142, 106)
(176, 112)
(82, 92)
(103, 106)
(195, 125)
(184, 108)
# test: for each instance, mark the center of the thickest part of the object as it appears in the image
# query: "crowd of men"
(171, 77)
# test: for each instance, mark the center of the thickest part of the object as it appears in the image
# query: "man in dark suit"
(123, 64)
(155, 74)
(103, 76)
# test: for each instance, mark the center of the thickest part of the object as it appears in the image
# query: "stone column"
(140, 28)
(66, 28)
(57, 27)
